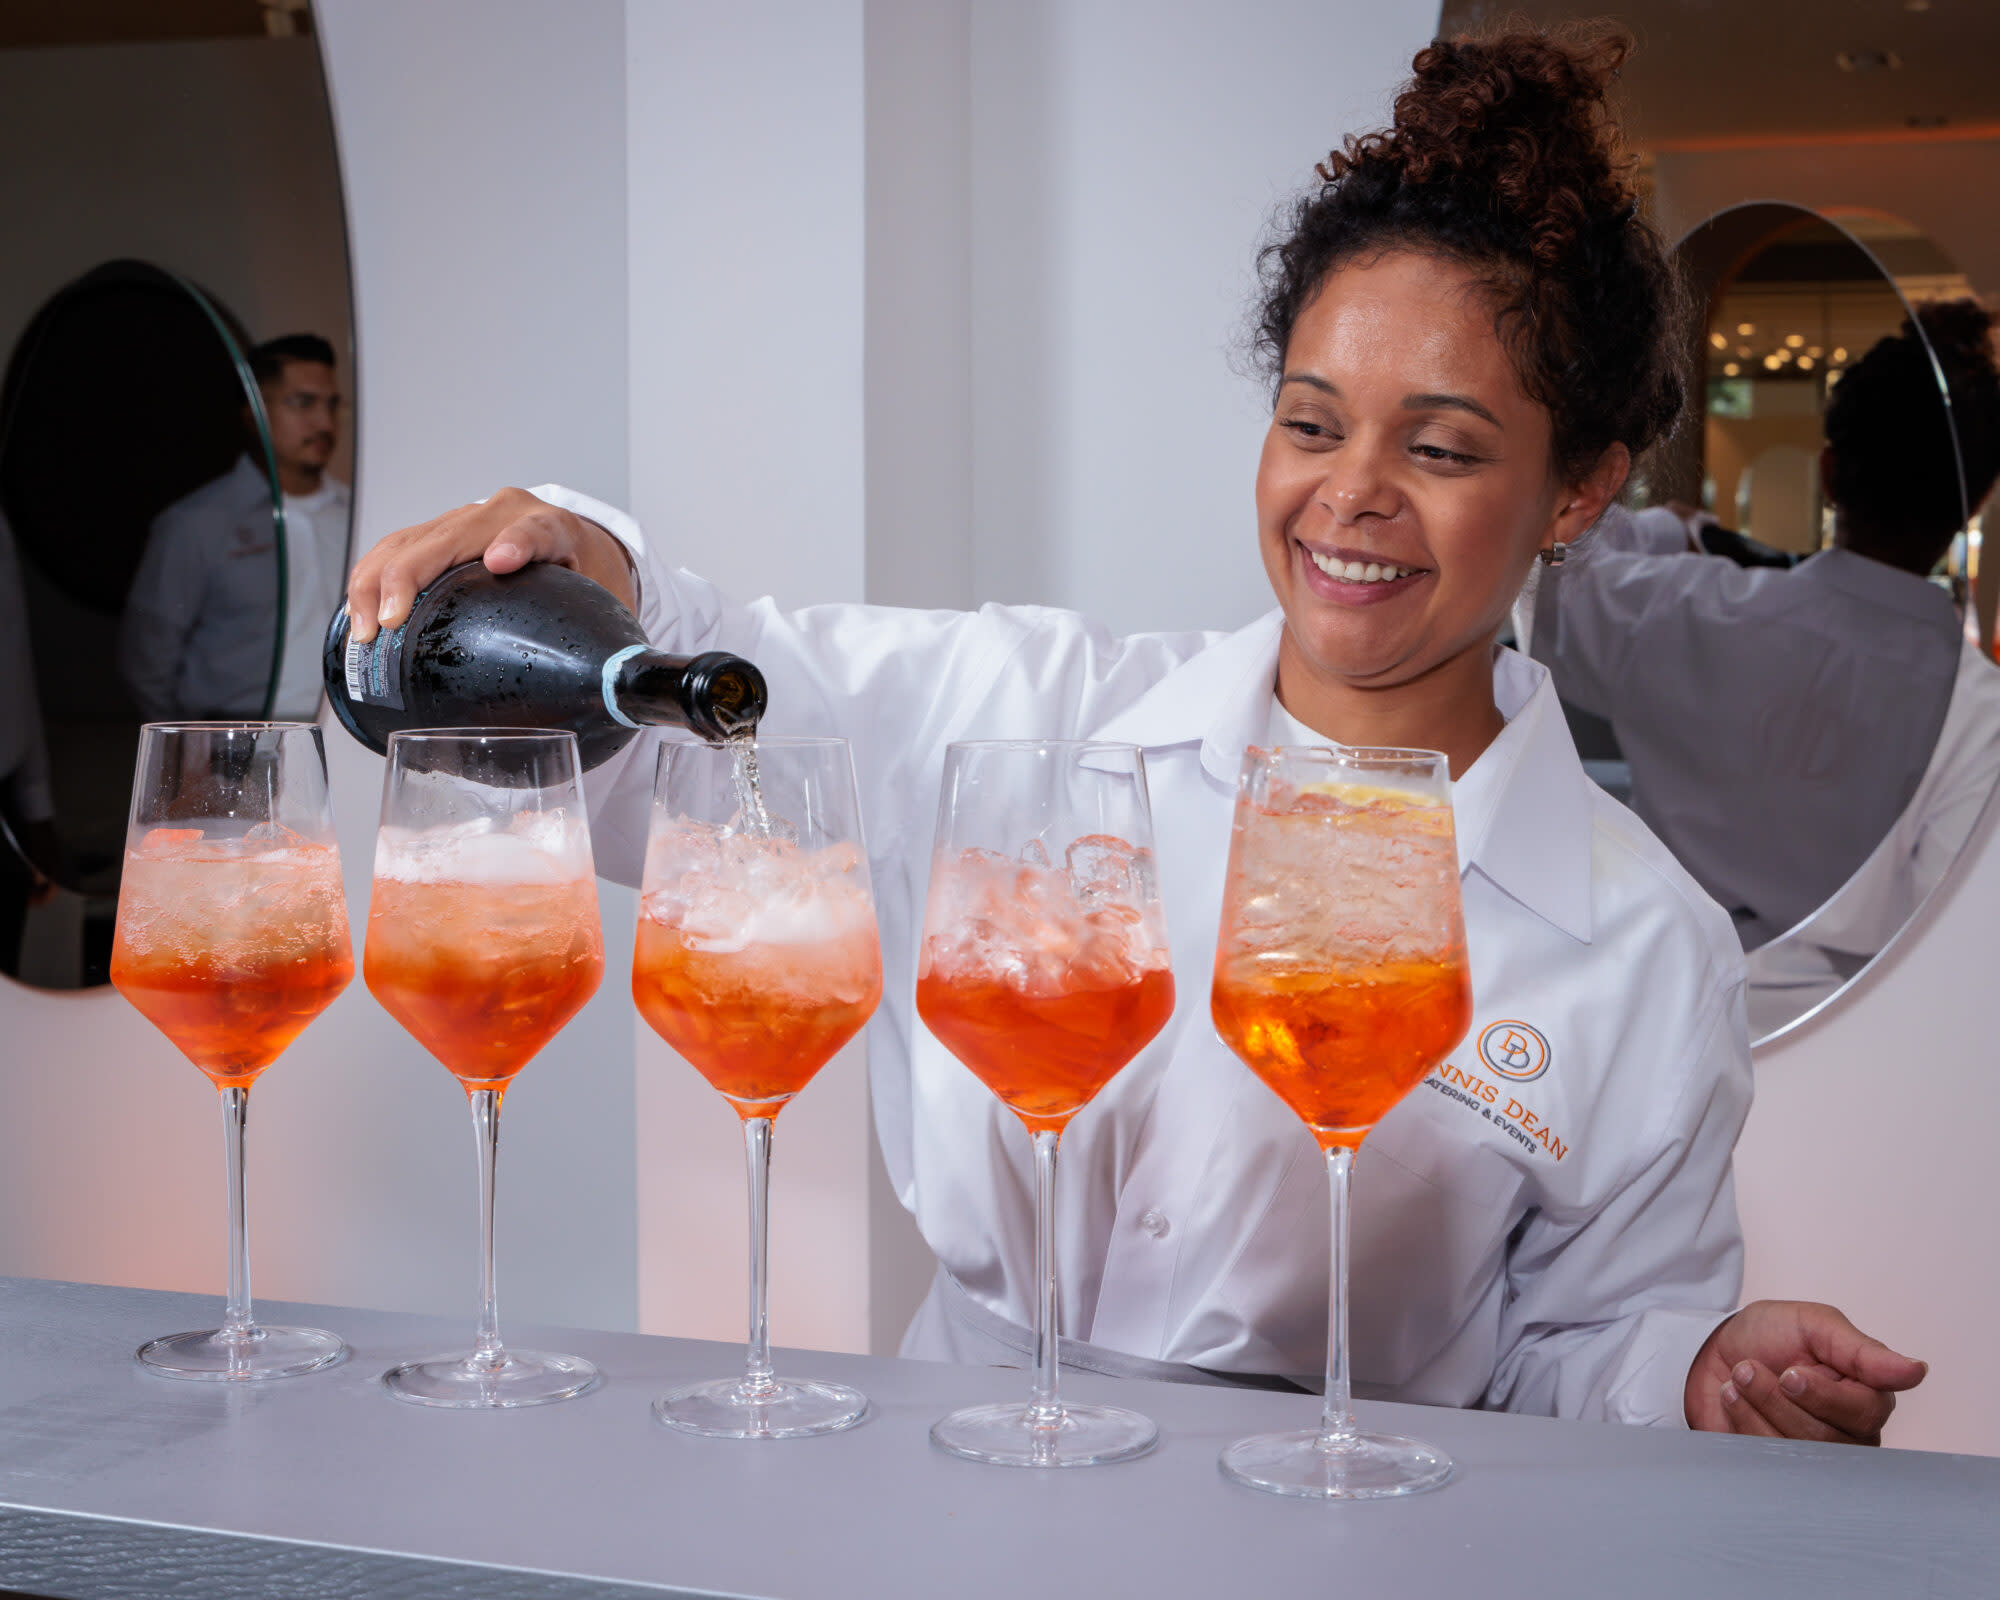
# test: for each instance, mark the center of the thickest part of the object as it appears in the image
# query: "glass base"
(1367, 1466)
(728, 1408)
(521, 1378)
(1008, 1436)
(265, 1353)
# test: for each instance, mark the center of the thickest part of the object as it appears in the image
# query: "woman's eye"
(1308, 430)
(1437, 452)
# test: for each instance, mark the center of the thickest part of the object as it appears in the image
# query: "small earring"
(1555, 555)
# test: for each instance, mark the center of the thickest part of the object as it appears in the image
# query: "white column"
(746, 250)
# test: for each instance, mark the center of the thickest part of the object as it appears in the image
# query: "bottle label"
(375, 670)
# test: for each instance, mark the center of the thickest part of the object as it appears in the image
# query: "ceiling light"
(1745, 329)
(1840, 352)
(1771, 363)
(1814, 351)
(1718, 340)
(1795, 341)
(1805, 363)
(1742, 349)
(1730, 369)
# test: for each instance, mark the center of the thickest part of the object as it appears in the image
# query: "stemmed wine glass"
(1044, 969)
(757, 959)
(231, 937)
(483, 940)
(1341, 980)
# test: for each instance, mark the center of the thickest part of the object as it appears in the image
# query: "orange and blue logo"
(1515, 1051)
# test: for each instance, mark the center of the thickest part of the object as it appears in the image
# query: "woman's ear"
(1582, 503)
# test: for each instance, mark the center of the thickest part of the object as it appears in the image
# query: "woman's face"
(1406, 482)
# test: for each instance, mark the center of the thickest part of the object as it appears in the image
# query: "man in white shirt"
(197, 638)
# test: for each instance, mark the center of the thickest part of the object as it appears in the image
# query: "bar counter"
(117, 1483)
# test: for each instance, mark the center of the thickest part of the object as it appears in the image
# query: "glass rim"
(231, 725)
(477, 735)
(776, 741)
(1045, 744)
(1358, 755)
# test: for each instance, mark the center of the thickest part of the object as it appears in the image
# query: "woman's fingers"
(1743, 1416)
(1775, 1400)
(1839, 1344)
(1853, 1409)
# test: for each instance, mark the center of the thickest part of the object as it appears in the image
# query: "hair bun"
(1505, 158)
(1520, 119)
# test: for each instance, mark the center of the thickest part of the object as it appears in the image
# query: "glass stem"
(1046, 1411)
(757, 1376)
(487, 1351)
(1336, 1418)
(238, 1327)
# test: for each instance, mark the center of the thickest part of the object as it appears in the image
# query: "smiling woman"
(1470, 338)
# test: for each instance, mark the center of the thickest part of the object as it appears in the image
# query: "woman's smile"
(1349, 576)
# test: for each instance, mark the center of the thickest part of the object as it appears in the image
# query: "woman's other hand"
(507, 531)
(1790, 1369)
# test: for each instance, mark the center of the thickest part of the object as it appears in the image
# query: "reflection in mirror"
(174, 465)
(1775, 644)
(1873, 123)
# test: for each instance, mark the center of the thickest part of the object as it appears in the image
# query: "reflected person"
(1778, 721)
(196, 640)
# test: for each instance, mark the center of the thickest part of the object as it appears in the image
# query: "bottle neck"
(714, 695)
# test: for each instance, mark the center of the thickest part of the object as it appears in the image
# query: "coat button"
(1156, 1224)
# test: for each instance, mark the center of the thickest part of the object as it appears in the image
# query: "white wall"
(1125, 159)
(746, 263)
(1865, 1173)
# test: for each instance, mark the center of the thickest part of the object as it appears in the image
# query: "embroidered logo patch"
(1515, 1051)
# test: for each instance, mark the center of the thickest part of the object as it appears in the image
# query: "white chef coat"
(1793, 973)
(315, 580)
(1555, 1233)
(1777, 721)
(196, 638)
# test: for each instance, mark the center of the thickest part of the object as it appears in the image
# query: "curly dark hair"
(1894, 474)
(1504, 155)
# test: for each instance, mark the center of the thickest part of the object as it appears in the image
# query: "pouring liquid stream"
(749, 785)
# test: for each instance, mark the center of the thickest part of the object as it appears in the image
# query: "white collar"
(1522, 811)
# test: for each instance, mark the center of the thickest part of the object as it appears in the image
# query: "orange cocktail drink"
(483, 942)
(1340, 1047)
(1043, 983)
(1340, 976)
(231, 937)
(1341, 979)
(231, 945)
(756, 961)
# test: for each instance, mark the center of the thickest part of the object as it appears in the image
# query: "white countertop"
(115, 1482)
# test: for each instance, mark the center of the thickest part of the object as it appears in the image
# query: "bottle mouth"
(729, 692)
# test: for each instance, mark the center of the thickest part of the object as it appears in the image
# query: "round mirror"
(1805, 708)
(1762, 652)
(174, 466)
